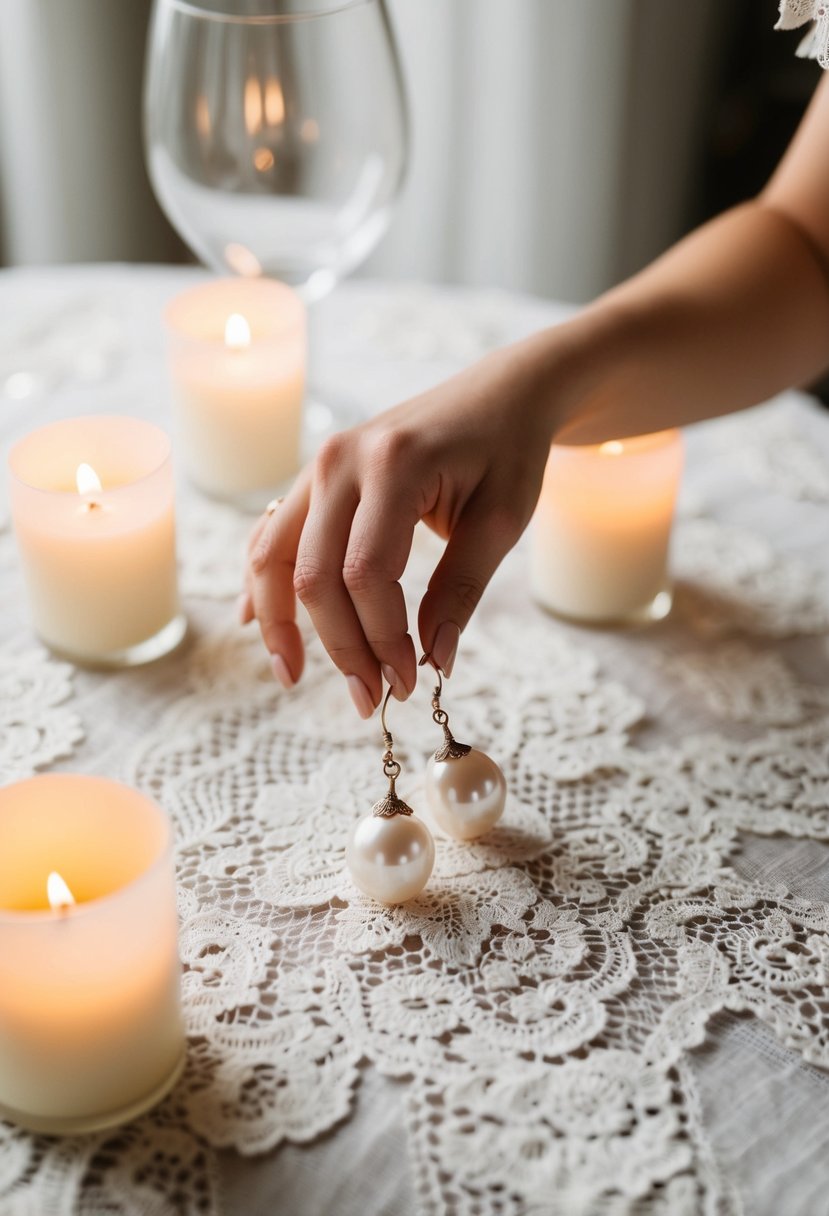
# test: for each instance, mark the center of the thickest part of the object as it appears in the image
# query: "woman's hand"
(468, 458)
(728, 317)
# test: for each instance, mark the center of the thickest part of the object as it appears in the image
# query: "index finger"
(378, 550)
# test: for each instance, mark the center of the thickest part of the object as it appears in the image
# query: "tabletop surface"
(616, 1002)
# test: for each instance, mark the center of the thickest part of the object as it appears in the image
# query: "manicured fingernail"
(361, 696)
(445, 646)
(280, 669)
(394, 682)
(243, 608)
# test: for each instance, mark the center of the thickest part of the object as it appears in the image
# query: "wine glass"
(276, 132)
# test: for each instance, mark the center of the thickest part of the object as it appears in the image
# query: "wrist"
(575, 364)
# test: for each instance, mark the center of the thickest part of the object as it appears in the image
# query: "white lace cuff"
(794, 13)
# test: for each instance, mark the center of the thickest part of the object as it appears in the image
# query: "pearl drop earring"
(391, 853)
(465, 788)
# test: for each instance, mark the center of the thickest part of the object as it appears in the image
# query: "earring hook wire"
(392, 804)
(427, 658)
(450, 748)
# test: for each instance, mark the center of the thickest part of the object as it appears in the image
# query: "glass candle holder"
(237, 352)
(91, 1032)
(601, 531)
(92, 504)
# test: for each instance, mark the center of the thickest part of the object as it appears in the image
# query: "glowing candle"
(601, 532)
(237, 361)
(90, 1023)
(92, 502)
(57, 892)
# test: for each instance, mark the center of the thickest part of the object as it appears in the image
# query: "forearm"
(733, 314)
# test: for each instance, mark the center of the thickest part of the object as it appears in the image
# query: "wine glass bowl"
(276, 133)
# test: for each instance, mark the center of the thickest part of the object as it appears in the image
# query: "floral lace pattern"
(211, 546)
(730, 580)
(36, 726)
(796, 13)
(587, 941)
(539, 1001)
(774, 450)
(80, 341)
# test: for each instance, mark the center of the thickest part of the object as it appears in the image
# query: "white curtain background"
(554, 141)
(72, 182)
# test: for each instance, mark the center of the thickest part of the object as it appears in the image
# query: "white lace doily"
(540, 1003)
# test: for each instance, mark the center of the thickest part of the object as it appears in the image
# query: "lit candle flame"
(274, 102)
(613, 447)
(59, 894)
(237, 332)
(253, 106)
(203, 123)
(87, 480)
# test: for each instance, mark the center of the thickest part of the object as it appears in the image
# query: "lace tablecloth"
(616, 1003)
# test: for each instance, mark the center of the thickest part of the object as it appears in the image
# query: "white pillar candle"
(90, 1023)
(237, 350)
(601, 531)
(99, 563)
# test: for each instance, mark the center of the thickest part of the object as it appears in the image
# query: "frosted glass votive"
(601, 531)
(91, 1032)
(92, 502)
(237, 356)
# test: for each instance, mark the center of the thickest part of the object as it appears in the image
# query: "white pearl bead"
(390, 859)
(466, 795)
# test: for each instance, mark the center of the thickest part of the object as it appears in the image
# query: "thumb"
(482, 537)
